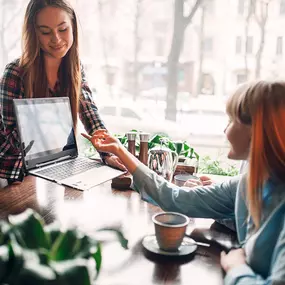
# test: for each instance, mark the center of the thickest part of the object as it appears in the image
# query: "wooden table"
(103, 206)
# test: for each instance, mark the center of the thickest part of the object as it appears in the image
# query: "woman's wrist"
(127, 159)
(104, 156)
(120, 151)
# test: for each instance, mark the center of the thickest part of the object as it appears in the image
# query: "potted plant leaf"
(216, 167)
(183, 149)
(34, 253)
(188, 157)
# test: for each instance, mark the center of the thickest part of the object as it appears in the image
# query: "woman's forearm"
(130, 161)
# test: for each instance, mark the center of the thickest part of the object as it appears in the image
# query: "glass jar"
(143, 154)
(131, 137)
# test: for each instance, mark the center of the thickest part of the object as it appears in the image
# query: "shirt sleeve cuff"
(237, 272)
(139, 176)
(104, 155)
(138, 183)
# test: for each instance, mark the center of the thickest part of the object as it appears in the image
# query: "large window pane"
(149, 55)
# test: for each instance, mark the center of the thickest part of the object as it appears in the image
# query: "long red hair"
(262, 105)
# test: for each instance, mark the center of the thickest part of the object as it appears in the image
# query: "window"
(279, 46)
(210, 4)
(208, 44)
(181, 76)
(252, 6)
(249, 45)
(238, 45)
(208, 84)
(128, 113)
(108, 55)
(111, 44)
(240, 7)
(11, 3)
(282, 7)
(160, 26)
(108, 110)
(113, 7)
(113, 111)
(159, 46)
(241, 78)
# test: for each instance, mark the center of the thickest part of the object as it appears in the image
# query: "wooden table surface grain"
(103, 206)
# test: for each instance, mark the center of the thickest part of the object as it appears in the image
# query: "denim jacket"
(265, 248)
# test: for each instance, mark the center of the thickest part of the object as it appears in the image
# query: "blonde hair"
(262, 105)
(32, 61)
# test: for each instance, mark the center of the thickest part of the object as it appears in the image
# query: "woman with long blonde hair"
(256, 200)
(49, 67)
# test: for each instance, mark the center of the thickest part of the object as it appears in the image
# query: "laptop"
(49, 146)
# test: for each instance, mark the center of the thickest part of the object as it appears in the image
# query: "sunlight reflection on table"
(47, 196)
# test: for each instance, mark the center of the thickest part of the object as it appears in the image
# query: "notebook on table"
(49, 146)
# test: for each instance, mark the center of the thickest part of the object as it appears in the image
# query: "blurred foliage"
(183, 149)
(32, 253)
(88, 150)
(210, 166)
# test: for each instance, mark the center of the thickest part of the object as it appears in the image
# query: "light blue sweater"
(265, 249)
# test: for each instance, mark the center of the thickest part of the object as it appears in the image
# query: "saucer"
(188, 246)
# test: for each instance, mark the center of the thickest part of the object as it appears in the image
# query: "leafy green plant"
(183, 149)
(86, 148)
(209, 166)
(32, 253)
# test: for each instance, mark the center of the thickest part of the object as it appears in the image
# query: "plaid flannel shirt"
(12, 87)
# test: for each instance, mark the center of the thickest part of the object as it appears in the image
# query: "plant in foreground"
(34, 253)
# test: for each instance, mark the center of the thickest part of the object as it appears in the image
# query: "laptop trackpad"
(92, 177)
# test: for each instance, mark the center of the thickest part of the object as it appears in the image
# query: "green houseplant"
(183, 149)
(188, 157)
(209, 166)
(34, 253)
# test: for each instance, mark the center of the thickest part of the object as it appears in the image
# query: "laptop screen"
(46, 129)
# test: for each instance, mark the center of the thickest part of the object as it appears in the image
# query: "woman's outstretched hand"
(104, 142)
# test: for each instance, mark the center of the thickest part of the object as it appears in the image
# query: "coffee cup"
(170, 228)
(180, 179)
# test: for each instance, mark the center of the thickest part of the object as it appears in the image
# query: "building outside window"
(208, 44)
(160, 26)
(240, 7)
(282, 7)
(249, 45)
(238, 45)
(208, 84)
(241, 78)
(210, 6)
(279, 46)
(252, 4)
(159, 46)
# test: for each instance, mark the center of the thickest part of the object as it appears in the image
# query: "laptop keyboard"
(70, 168)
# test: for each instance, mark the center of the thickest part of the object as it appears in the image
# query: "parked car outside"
(121, 116)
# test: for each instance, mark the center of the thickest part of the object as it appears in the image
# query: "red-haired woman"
(256, 200)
